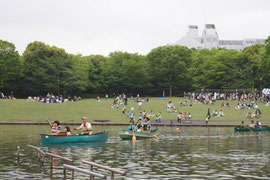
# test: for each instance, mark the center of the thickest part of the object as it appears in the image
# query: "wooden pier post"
(18, 153)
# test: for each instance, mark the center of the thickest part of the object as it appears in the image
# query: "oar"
(152, 134)
(249, 129)
(133, 137)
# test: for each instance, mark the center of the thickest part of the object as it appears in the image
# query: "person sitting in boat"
(67, 130)
(86, 126)
(242, 124)
(132, 126)
(252, 124)
(258, 124)
(146, 124)
(55, 127)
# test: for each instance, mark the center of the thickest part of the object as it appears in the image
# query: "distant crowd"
(11, 96)
(50, 98)
(211, 97)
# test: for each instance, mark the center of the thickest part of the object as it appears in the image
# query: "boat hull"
(238, 128)
(52, 139)
(127, 134)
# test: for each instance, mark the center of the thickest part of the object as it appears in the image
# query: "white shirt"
(88, 125)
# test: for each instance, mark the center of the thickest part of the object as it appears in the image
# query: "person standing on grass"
(124, 110)
(159, 117)
(179, 117)
(140, 105)
(207, 119)
(132, 116)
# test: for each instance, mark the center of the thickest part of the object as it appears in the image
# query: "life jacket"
(85, 129)
(54, 130)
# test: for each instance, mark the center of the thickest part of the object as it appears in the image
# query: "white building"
(210, 39)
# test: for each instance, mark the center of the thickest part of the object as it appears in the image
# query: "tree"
(125, 72)
(48, 68)
(10, 67)
(252, 57)
(168, 66)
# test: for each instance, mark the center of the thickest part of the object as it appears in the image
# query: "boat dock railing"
(73, 169)
(40, 153)
(52, 156)
(113, 171)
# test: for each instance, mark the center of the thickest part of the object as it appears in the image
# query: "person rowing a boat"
(258, 124)
(146, 124)
(242, 124)
(86, 126)
(132, 126)
(55, 127)
(252, 124)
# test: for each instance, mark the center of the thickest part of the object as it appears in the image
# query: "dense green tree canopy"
(168, 66)
(10, 67)
(175, 69)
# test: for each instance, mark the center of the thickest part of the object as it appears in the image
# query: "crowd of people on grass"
(11, 96)
(239, 106)
(218, 113)
(50, 98)
(212, 96)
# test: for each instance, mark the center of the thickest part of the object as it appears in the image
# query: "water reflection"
(183, 153)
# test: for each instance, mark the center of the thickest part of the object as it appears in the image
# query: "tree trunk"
(170, 94)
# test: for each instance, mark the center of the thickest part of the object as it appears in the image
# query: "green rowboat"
(53, 139)
(238, 128)
(127, 134)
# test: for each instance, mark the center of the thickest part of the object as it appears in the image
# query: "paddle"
(249, 129)
(152, 134)
(133, 137)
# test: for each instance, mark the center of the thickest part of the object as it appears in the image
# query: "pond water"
(184, 153)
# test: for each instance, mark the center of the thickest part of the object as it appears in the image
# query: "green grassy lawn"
(23, 110)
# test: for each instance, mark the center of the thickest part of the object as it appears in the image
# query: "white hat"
(84, 118)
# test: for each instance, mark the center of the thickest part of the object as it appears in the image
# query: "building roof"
(210, 26)
(231, 42)
(193, 27)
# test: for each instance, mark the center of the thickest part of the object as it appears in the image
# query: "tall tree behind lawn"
(125, 72)
(48, 69)
(10, 67)
(168, 67)
(216, 69)
(96, 83)
(252, 57)
(264, 66)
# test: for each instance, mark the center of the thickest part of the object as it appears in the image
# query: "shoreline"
(123, 124)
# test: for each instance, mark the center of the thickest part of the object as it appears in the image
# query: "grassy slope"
(19, 110)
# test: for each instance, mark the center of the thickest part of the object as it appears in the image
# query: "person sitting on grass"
(248, 115)
(221, 114)
(86, 126)
(215, 113)
(189, 116)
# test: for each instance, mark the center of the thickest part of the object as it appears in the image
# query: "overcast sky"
(136, 26)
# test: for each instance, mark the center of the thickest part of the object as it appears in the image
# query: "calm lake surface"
(184, 153)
